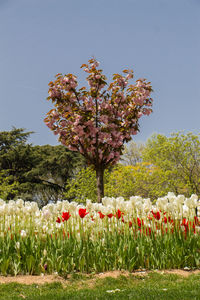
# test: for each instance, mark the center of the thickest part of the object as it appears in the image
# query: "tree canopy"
(178, 156)
(98, 121)
(34, 172)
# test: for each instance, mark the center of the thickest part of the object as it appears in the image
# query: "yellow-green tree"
(143, 180)
(178, 157)
(7, 185)
(83, 186)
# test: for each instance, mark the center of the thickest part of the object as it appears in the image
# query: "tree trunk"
(100, 184)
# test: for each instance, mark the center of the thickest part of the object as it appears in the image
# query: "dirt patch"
(28, 279)
(183, 273)
(113, 274)
(141, 273)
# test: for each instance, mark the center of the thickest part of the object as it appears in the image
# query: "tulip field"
(115, 235)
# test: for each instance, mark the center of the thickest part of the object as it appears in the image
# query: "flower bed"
(117, 234)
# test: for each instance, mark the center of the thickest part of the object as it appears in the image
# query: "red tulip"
(148, 231)
(101, 215)
(139, 222)
(58, 220)
(156, 215)
(65, 216)
(118, 214)
(184, 222)
(82, 212)
(110, 216)
(196, 220)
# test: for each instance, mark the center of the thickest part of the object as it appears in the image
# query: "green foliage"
(44, 173)
(83, 186)
(15, 161)
(178, 157)
(120, 182)
(5, 187)
(34, 172)
(13, 138)
(54, 166)
(120, 248)
(143, 180)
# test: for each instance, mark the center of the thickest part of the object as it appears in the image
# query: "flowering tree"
(98, 121)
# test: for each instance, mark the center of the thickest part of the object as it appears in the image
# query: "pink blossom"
(93, 122)
(63, 123)
(146, 111)
(65, 79)
(139, 114)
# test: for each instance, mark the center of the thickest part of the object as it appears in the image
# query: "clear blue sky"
(159, 39)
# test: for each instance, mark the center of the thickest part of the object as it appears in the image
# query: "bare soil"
(42, 279)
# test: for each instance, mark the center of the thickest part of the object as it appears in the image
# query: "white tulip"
(20, 203)
(23, 233)
(2, 209)
(171, 197)
(59, 205)
(2, 202)
(180, 199)
(185, 211)
(17, 245)
(46, 214)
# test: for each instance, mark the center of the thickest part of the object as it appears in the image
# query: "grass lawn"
(151, 286)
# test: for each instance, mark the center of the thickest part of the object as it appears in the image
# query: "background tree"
(54, 166)
(34, 172)
(132, 154)
(13, 138)
(15, 160)
(97, 122)
(178, 156)
(143, 180)
(7, 188)
(83, 186)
